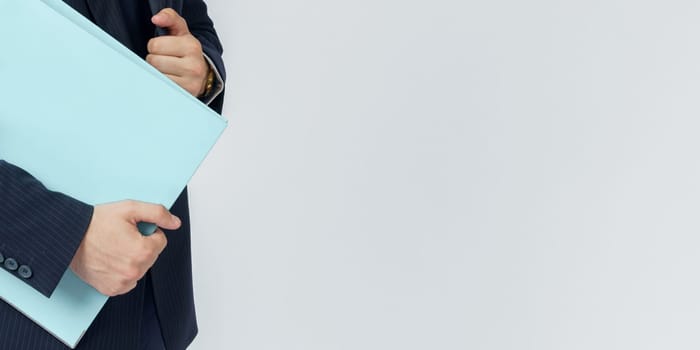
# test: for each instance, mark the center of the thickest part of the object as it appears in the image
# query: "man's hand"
(114, 255)
(179, 55)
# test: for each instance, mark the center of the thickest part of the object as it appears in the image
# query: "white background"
(453, 175)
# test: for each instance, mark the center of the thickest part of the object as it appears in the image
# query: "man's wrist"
(217, 83)
(208, 83)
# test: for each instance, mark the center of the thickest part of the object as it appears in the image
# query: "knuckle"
(193, 88)
(143, 255)
(129, 208)
(161, 243)
(130, 205)
(113, 290)
(200, 70)
(189, 69)
(130, 275)
(108, 291)
(152, 45)
(193, 71)
(119, 290)
(135, 261)
(193, 45)
(137, 258)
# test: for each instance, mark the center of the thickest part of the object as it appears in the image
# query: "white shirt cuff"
(218, 83)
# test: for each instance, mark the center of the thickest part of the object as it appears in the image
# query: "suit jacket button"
(24, 271)
(10, 264)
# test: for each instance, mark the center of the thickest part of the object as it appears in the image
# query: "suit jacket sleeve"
(39, 228)
(202, 27)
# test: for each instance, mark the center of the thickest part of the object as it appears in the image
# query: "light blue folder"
(88, 118)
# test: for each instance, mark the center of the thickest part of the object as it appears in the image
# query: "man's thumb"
(172, 21)
(155, 214)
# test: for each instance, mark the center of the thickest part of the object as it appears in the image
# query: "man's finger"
(156, 214)
(158, 242)
(167, 64)
(168, 46)
(177, 79)
(172, 21)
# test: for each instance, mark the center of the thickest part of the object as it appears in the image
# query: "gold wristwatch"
(209, 84)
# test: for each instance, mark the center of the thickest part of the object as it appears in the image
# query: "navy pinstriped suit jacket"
(43, 229)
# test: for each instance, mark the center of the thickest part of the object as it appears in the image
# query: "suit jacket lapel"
(157, 5)
(109, 16)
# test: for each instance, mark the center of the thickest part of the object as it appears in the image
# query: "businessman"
(43, 233)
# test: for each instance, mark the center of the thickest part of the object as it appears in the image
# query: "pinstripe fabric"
(201, 26)
(151, 337)
(172, 284)
(46, 242)
(44, 228)
(110, 17)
